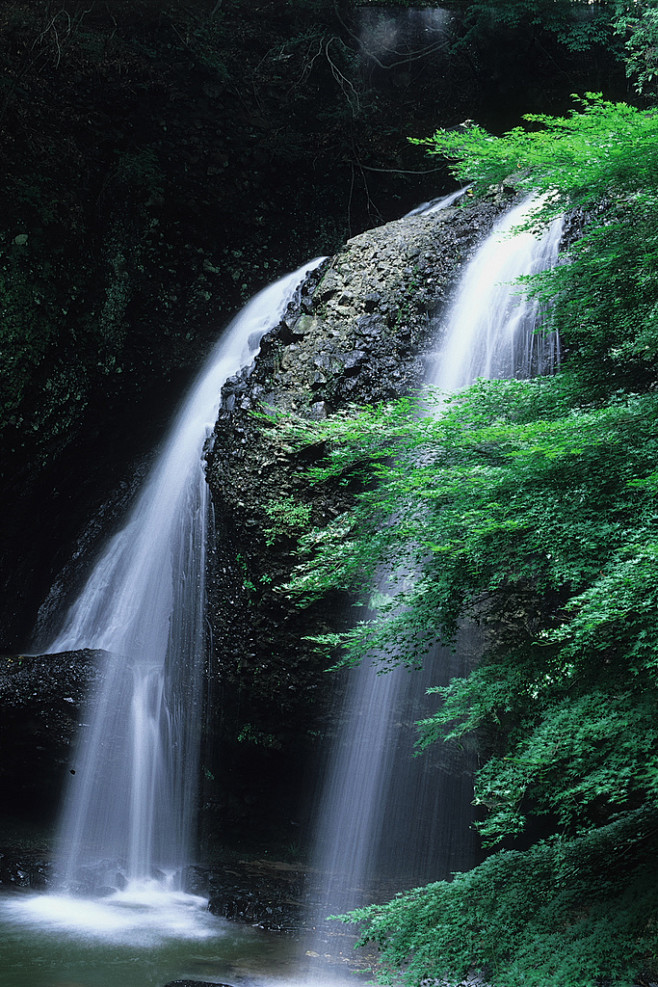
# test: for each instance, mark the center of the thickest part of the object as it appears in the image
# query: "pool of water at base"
(139, 941)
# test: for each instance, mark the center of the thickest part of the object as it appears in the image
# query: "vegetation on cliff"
(161, 161)
(530, 506)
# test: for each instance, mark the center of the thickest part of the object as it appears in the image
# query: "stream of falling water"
(388, 821)
(129, 814)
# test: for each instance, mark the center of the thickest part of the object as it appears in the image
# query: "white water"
(434, 205)
(139, 918)
(490, 329)
(63, 942)
(129, 813)
(387, 821)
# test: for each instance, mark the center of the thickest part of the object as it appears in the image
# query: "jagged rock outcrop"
(40, 702)
(362, 335)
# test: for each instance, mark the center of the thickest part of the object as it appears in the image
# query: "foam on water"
(141, 915)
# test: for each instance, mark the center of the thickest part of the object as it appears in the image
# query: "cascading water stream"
(385, 820)
(129, 812)
(490, 328)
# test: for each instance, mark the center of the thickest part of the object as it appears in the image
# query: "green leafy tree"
(637, 22)
(575, 24)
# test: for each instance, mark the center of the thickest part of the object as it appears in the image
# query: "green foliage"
(628, 28)
(578, 26)
(498, 492)
(288, 519)
(549, 916)
(578, 158)
(247, 583)
(252, 735)
(637, 22)
(530, 507)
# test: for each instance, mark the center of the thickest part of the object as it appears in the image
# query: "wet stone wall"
(362, 334)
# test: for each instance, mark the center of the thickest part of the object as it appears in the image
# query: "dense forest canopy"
(530, 507)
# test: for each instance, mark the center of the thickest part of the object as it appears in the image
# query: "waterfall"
(490, 327)
(387, 821)
(129, 812)
(434, 205)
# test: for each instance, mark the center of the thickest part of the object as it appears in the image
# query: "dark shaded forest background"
(161, 161)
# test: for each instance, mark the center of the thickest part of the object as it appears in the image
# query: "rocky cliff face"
(362, 335)
(40, 710)
(361, 332)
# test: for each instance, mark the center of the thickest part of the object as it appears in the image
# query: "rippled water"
(144, 938)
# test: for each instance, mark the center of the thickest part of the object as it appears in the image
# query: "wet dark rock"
(40, 702)
(266, 893)
(362, 336)
(24, 869)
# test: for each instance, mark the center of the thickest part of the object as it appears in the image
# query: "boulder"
(41, 697)
(363, 331)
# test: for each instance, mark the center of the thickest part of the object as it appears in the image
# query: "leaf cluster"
(579, 158)
(545, 916)
(576, 26)
(637, 23)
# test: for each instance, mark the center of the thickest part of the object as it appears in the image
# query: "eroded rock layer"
(362, 335)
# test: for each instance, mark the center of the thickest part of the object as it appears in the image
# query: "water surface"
(147, 939)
